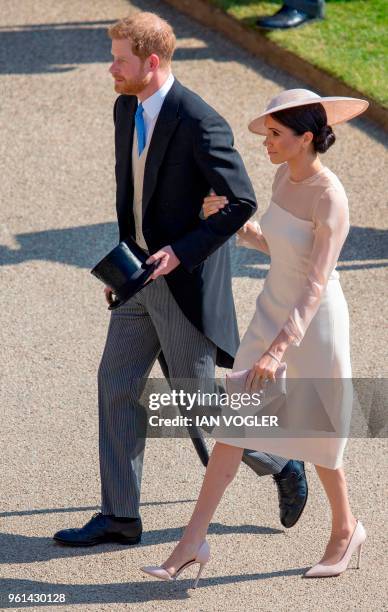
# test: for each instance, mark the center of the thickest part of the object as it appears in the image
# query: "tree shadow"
(53, 47)
(363, 246)
(83, 246)
(20, 549)
(32, 512)
(61, 47)
(80, 246)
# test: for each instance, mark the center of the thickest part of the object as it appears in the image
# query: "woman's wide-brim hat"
(338, 109)
(124, 270)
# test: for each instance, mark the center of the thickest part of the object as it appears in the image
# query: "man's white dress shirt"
(151, 106)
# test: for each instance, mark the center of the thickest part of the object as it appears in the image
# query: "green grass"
(351, 43)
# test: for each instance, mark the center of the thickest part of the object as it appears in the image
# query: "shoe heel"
(359, 557)
(198, 575)
(128, 541)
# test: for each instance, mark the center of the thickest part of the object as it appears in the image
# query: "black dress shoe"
(292, 492)
(286, 17)
(102, 528)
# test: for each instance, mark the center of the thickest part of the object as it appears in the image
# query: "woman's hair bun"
(323, 139)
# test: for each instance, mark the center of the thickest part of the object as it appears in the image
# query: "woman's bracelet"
(274, 357)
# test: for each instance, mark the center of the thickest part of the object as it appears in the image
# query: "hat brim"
(338, 110)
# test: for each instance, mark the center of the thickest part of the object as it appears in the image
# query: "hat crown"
(291, 96)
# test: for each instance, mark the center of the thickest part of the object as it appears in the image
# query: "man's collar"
(153, 104)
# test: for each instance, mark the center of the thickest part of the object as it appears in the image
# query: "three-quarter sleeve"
(331, 220)
(258, 242)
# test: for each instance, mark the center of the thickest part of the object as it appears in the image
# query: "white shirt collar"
(153, 104)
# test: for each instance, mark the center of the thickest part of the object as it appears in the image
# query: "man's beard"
(131, 87)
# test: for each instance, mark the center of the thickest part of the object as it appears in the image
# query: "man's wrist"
(175, 255)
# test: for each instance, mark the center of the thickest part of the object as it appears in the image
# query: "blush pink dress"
(303, 230)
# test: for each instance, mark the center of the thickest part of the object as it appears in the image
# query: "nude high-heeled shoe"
(202, 557)
(355, 544)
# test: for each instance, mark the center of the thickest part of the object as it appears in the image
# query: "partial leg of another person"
(290, 478)
(131, 349)
(312, 8)
(293, 13)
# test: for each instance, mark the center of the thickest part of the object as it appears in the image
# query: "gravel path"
(57, 219)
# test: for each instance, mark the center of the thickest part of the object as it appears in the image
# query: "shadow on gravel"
(84, 246)
(127, 592)
(86, 508)
(62, 47)
(364, 245)
(21, 549)
(80, 246)
(53, 47)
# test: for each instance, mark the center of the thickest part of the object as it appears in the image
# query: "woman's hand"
(212, 204)
(263, 370)
(251, 237)
(249, 232)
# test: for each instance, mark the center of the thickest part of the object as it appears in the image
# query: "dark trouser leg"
(187, 352)
(188, 356)
(131, 348)
(262, 463)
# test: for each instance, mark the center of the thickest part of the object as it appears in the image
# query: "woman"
(301, 315)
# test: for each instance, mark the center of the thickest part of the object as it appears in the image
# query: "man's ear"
(153, 62)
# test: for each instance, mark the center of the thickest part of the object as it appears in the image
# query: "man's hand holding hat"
(167, 259)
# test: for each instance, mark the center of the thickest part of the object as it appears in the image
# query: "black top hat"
(124, 270)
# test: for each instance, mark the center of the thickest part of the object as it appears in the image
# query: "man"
(171, 149)
(292, 14)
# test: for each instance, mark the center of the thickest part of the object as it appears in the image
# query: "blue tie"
(140, 129)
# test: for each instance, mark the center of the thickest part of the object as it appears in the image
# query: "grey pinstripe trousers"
(151, 321)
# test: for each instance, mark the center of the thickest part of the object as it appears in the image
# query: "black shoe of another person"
(286, 17)
(102, 528)
(292, 492)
